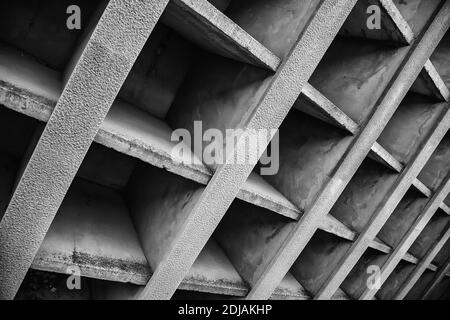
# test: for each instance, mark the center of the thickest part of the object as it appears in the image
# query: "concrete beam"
(98, 74)
(421, 267)
(431, 84)
(130, 131)
(418, 13)
(307, 225)
(385, 208)
(412, 234)
(281, 91)
(440, 59)
(439, 26)
(206, 26)
(437, 278)
(394, 28)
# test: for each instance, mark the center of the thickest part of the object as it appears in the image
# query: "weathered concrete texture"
(395, 280)
(277, 24)
(404, 215)
(363, 194)
(430, 234)
(441, 59)
(41, 285)
(431, 84)
(309, 153)
(413, 121)
(39, 28)
(443, 255)
(440, 290)
(106, 167)
(98, 75)
(289, 288)
(354, 73)
(438, 166)
(420, 286)
(250, 236)
(206, 26)
(218, 92)
(29, 88)
(417, 12)
(356, 24)
(269, 111)
(94, 232)
(318, 259)
(212, 271)
(418, 55)
(156, 75)
(314, 103)
(159, 203)
(85, 234)
(361, 275)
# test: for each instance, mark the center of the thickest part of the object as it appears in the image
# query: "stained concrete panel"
(420, 286)
(218, 92)
(317, 261)
(41, 285)
(310, 150)
(438, 167)
(367, 189)
(277, 24)
(443, 255)
(159, 202)
(159, 70)
(39, 28)
(413, 121)
(440, 290)
(417, 12)
(354, 73)
(404, 215)
(250, 237)
(93, 231)
(430, 234)
(441, 59)
(395, 280)
(356, 24)
(106, 167)
(362, 275)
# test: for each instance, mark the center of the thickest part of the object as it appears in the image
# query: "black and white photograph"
(234, 158)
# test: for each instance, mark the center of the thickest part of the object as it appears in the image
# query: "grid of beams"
(226, 229)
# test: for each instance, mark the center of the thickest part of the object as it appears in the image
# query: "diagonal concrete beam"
(92, 87)
(283, 90)
(421, 267)
(438, 28)
(408, 239)
(379, 218)
(437, 278)
(417, 56)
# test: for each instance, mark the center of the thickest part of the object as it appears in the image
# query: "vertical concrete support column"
(414, 231)
(416, 58)
(437, 278)
(421, 267)
(283, 90)
(92, 87)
